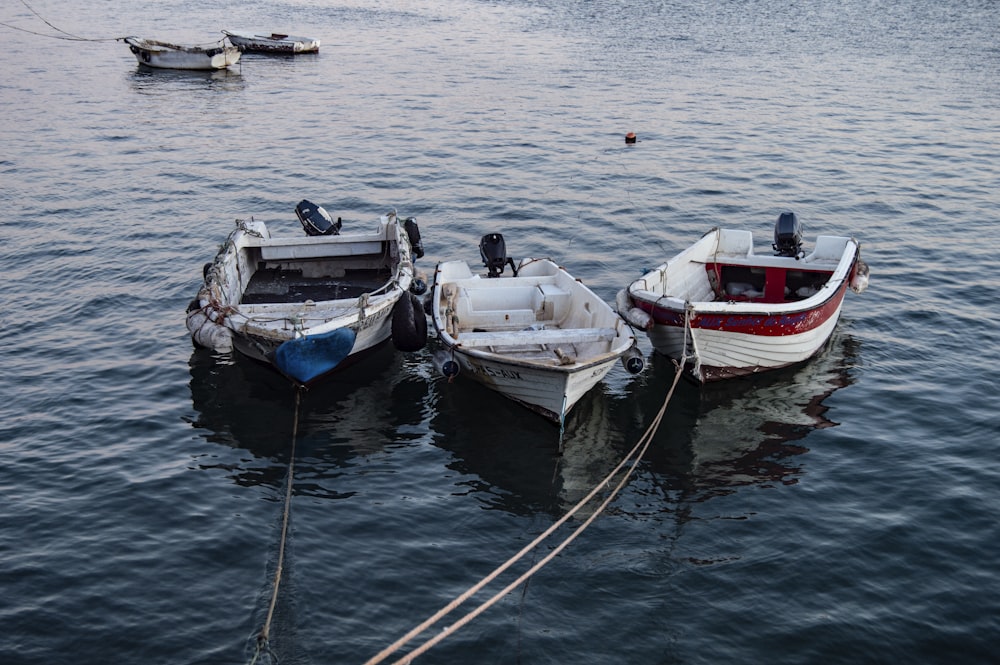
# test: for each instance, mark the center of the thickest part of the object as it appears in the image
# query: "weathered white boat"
(272, 43)
(309, 305)
(539, 336)
(733, 312)
(163, 55)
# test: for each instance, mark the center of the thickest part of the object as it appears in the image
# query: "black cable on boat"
(263, 637)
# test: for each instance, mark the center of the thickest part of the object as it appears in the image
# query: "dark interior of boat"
(760, 284)
(286, 286)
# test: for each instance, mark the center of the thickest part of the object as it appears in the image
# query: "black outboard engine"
(788, 235)
(494, 252)
(315, 220)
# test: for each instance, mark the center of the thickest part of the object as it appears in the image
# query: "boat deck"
(290, 286)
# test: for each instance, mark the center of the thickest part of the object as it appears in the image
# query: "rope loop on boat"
(688, 310)
(263, 637)
(68, 36)
(635, 455)
(244, 226)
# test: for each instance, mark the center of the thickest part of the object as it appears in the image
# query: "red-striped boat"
(730, 311)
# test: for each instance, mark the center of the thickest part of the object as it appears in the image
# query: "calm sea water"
(841, 512)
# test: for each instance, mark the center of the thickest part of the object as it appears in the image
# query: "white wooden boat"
(539, 336)
(733, 312)
(272, 43)
(163, 55)
(309, 305)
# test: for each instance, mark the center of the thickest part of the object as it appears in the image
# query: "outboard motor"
(315, 220)
(788, 235)
(493, 250)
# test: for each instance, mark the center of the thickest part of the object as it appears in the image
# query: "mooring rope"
(263, 637)
(68, 36)
(636, 455)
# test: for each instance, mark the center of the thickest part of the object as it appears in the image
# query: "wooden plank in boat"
(546, 336)
(277, 251)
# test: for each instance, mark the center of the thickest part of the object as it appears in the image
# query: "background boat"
(164, 55)
(272, 42)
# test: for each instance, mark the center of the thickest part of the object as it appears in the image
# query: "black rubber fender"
(413, 234)
(409, 324)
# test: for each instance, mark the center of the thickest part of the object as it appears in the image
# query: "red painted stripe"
(768, 325)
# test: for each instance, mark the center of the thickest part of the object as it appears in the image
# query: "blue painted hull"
(308, 358)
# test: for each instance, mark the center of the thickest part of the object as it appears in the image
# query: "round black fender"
(446, 364)
(418, 286)
(633, 361)
(409, 323)
(635, 364)
(194, 306)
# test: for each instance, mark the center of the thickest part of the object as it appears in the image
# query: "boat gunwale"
(832, 287)
(270, 320)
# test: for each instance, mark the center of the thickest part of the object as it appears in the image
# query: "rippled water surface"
(841, 512)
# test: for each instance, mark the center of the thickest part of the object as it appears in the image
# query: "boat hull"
(369, 334)
(542, 338)
(162, 55)
(724, 347)
(689, 309)
(547, 391)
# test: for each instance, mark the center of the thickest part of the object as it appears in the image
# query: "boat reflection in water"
(712, 441)
(504, 455)
(749, 431)
(715, 438)
(244, 405)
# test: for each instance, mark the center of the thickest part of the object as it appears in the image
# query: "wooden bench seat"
(279, 250)
(526, 337)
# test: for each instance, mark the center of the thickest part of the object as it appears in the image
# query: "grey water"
(844, 511)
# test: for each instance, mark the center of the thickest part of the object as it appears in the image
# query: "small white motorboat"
(538, 336)
(309, 305)
(163, 55)
(272, 43)
(732, 312)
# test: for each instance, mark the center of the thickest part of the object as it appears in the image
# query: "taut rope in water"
(68, 36)
(263, 637)
(636, 455)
